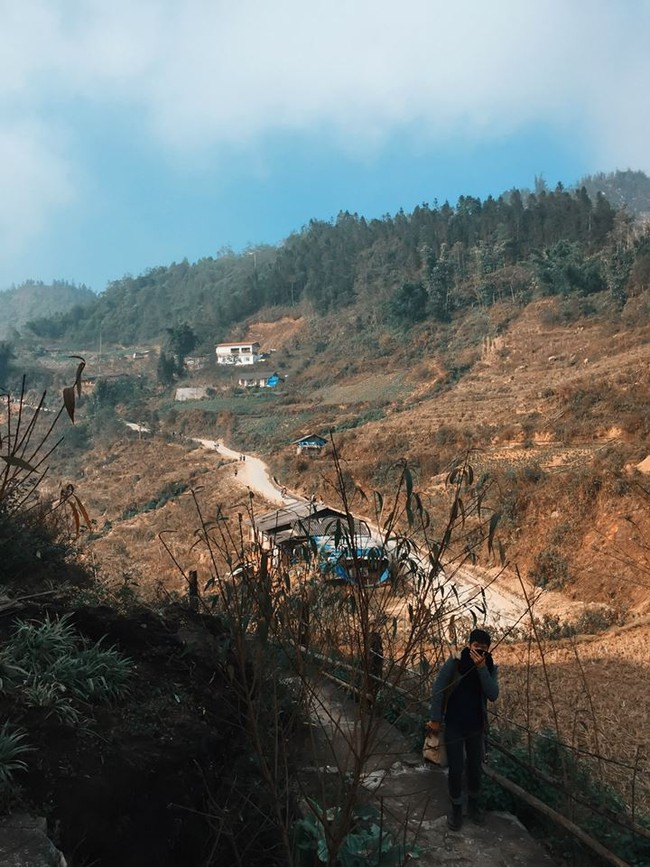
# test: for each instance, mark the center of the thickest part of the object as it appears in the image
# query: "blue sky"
(140, 132)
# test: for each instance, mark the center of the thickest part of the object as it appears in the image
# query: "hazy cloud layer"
(35, 181)
(192, 77)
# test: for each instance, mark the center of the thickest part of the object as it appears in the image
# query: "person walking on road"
(459, 700)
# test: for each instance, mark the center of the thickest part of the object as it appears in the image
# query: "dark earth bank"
(161, 777)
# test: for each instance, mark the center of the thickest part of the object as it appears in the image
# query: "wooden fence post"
(193, 590)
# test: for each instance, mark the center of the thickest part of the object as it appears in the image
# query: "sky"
(136, 133)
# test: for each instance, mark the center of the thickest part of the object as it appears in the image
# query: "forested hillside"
(398, 270)
(629, 189)
(37, 299)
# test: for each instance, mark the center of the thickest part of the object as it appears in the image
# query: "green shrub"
(28, 541)
(550, 570)
(532, 473)
(169, 492)
(372, 414)
(49, 665)
(367, 842)
(535, 766)
(445, 435)
(596, 620)
(552, 628)
(12, 746)
(559, 533)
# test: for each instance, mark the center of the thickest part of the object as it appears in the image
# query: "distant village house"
(288, 532)
(310, 444)
(259, 381)
(238, 353)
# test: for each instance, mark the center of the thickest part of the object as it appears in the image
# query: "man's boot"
(475, 812)
(455, 817)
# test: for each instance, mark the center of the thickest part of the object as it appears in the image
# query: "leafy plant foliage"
(49, 665)
(367, 841)
(12, 748)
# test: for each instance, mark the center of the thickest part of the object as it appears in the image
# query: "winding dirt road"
(503, 606)
(251, 473)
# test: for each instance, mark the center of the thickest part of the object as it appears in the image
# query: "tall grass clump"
(34, 530)
(47, 664)
(13, 748)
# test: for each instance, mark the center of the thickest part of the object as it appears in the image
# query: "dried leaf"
(75, 515)
(69, 401)
(494, 520)
(83, 511)
(80, 367)
(408, 479)
(77, 380)
(451, 627)
(390, 520)
(66, 492)
(13, 461)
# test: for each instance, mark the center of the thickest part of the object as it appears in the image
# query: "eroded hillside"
(556, 412)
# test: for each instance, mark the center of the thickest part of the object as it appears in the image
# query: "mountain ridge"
(397, 270)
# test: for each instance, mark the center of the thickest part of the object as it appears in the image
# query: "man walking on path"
(459, 701)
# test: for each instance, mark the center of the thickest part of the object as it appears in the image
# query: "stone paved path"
(413, 794)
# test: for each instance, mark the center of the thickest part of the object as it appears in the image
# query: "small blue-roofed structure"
(343, 548)
(309, 444)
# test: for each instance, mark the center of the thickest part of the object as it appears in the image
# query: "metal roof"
(283, 519)
(300, 522)
(328, 526)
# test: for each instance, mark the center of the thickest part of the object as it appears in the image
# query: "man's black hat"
(480, 635)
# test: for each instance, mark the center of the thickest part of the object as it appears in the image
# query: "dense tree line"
(398, 269)
(624, 189)
(33, 298)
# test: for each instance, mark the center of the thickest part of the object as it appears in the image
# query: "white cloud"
(201, 74)
(232, 72)
(35, 181)
(212, 71)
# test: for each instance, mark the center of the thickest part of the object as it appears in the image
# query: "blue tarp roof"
(335, 559)
(310, 438)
